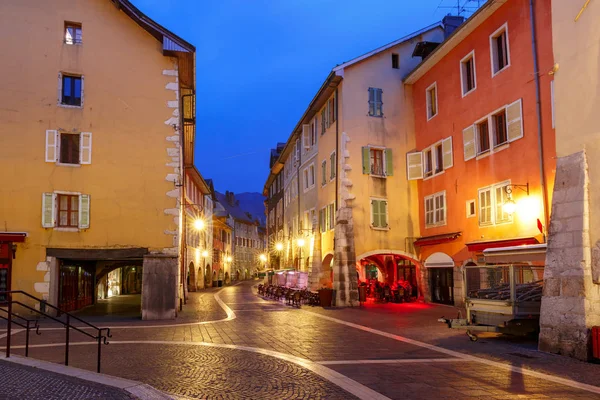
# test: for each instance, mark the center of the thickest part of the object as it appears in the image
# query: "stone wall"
(571, 299)
(160, 287)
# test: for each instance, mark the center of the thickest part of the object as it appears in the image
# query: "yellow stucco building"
(96, 124)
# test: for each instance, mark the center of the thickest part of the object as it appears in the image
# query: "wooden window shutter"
(514, 118)
(447, 152)
(85, 148)
(371, 101)
(383, 213)
(84, 211)
(306, 136)
(469, 142)
(414, 166)
(51, 145)
(327, 111)
(366, 160)
(389, 163)
(48, 207)
(375, 213)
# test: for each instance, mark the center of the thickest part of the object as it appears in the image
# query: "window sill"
(500, 70)
(483, 155)
(375, 116)
(435, 225)
(501, 147)
(379, 229)
(434, 175)
(65, 229)
(61, 105)
(68, 165)
(469, 92)
(378, 176)
(429, 118)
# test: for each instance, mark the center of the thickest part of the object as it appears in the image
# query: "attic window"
(72, 33)
(395, 61)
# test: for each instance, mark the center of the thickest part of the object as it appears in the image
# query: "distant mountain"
(250, 202)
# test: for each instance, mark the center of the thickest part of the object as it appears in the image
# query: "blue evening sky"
(260, 62)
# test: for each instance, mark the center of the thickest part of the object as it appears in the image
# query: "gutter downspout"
(539, 116)
(337, 150)
(299, 212)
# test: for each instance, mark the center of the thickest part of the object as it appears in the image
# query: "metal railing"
(101, 336)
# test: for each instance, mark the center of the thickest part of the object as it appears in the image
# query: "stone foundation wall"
(571, 299)
(160, 287)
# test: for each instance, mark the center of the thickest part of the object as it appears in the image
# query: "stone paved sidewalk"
(23, 382)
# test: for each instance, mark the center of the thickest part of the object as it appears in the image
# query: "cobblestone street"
(232, 344)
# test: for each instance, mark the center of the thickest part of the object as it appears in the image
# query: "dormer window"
(72, 33)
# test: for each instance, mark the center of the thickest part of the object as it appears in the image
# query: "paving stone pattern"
(23, 382)
(221, 373)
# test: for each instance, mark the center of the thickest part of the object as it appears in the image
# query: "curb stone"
(141, 391)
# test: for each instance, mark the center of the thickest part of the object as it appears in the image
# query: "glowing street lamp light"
(263, 258)
(301, 242)
(228, 259)
(279, 246)
(199, 224)
(204, 253)
(509, 206)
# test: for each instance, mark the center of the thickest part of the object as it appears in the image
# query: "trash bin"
(362, 294)
(325, 297)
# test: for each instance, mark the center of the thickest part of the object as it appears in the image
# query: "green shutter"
(383, 213)
(375, 213)
(389, 165)
(366, 161)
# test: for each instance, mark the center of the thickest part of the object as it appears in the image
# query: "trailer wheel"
(472, 337)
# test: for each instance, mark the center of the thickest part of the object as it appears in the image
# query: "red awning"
(478, 247)
(437, 239)
(12, 236)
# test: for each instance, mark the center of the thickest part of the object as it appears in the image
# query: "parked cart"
(504, 295)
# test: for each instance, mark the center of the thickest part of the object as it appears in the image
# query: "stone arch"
(192, 283)
(326, 278)
(410, 256)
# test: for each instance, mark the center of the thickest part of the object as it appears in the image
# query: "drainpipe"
(337, 149)
(539, 115)
(299, 186)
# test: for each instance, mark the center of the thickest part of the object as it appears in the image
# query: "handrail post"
(9, 325)
(67, 342)
(99, 349)
(27, 341)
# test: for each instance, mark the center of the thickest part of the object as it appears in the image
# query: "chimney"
(451, 22)
(230, 197)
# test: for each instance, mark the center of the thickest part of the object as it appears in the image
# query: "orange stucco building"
(482, 141)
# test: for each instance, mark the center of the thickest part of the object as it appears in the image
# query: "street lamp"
(300, 242)
(199, 224)
(509, 205)
(263, 258)
(279, 246)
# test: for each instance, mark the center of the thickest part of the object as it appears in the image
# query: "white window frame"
(387, 218)
(428, 101)
(60, 85)
(435, 221)
(324, 179)
(56, 215)
(494, 221)
(493, 36)
(463, 76)
(383, 161)
(306, 174)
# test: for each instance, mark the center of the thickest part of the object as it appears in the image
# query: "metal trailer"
(504, 295)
